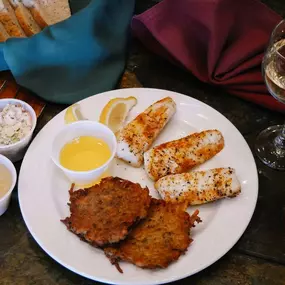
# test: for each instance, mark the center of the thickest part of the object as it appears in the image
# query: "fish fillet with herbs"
(181, 155)
(137, 136)
(199, 187)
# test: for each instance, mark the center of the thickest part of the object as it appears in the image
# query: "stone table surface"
(259, 255)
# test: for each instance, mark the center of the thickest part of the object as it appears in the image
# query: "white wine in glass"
(270, 143)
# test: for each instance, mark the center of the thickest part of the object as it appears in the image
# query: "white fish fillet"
(199, 187)
(137, 136)
(181, 155)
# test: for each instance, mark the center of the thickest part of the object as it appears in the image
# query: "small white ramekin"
(5, 200)
(75, 130)
(16, 151)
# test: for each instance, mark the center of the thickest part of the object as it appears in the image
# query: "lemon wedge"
(72, 114)
(116, 111)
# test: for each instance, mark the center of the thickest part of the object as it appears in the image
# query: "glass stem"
(279, 141)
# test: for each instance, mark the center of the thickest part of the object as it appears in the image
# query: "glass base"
(267, 149)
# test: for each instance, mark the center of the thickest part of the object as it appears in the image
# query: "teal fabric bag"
(79, 57)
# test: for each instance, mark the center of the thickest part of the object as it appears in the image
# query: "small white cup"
(75, 130)
(16, 151)
(5, 200)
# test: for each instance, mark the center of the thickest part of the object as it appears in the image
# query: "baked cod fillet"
(158, 240)
(137, 136)
(181, 155)
(105, 213)
(199, 187)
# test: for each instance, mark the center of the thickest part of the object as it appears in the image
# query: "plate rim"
(167, 279)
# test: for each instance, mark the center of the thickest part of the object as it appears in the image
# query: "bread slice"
(37, 11)
(9, 20)
(39, 15)
(48, 12)
(26, 20)
(3, 34)
(56, 10)
(14, 3)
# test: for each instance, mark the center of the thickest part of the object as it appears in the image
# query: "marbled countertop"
(258, 257)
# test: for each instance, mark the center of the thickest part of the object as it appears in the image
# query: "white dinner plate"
(43, 193)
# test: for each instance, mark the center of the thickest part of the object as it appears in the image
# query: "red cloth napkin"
(222, 42)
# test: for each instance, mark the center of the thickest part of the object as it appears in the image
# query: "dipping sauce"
(84, 153)
(5, 180)
(15, 124)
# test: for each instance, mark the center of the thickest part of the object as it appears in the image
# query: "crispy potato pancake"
(157, 240)
(105, 213)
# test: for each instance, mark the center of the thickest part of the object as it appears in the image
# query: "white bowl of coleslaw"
(17, 124)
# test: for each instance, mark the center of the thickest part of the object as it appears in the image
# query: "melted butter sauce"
(5, 180)
(84, 153)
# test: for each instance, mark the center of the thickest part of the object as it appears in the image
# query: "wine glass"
(270, 143)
